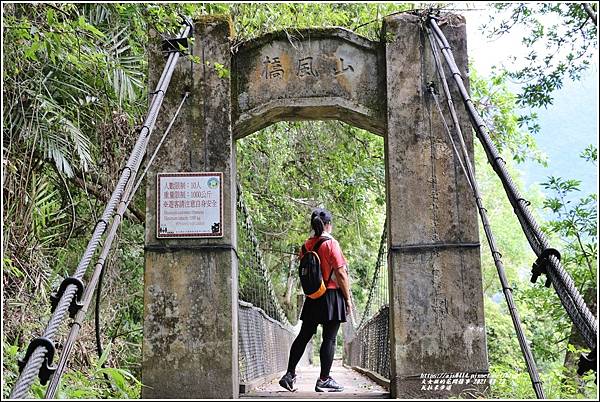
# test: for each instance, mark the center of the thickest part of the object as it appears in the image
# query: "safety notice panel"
(189, 204)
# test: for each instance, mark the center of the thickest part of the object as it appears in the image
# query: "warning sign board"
(189, 204)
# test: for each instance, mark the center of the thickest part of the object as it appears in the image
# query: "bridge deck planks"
(356, 386)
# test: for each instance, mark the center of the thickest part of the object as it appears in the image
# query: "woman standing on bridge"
(328, 310)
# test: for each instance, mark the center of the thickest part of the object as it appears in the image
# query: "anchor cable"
(496, 255)
(38, 361)
(563, 284)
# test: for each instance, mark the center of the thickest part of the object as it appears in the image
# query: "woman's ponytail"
(317, 225)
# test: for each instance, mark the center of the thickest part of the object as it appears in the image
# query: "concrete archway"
(317, 74)
(436, 299)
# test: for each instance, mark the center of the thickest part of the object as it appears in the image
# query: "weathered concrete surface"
(190, 293)
(317, 74)
(436, 297)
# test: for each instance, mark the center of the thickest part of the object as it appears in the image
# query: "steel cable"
(376, 281)
(369, 341)
(267, 300)
(470, 176)
(35, 361)
(565, 288)
(95, 281)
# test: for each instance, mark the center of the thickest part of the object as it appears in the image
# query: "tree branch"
(590, 11)
(138, 215)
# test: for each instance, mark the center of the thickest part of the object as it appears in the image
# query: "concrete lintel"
(317, 108)
(328, 73)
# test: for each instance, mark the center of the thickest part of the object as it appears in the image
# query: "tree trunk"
(290, 286)
(290, 281)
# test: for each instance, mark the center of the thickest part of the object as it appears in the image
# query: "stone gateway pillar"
(436, 297)
(190, 293)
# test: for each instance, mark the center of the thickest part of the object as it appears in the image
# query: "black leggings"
(327, 350)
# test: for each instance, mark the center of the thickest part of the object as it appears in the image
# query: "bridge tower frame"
(190, 347)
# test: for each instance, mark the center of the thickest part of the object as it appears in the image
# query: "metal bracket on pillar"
(180, 45)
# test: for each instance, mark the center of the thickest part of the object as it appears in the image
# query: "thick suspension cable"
(470, 176)
(162, 140)
(563, 284)
(96, 280)
(39, 354)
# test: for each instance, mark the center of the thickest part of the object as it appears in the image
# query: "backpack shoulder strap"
(316, 247)
(319, 242)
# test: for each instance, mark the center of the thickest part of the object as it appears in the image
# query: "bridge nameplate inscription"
(312, 74)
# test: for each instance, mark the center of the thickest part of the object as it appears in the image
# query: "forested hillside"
(75, 93)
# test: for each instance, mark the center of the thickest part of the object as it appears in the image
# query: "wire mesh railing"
(264, 344)
(255, 284)
(265, 334)
(378, 290)
(369, 345)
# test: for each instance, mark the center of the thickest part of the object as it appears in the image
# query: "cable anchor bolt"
(47, 369)
(76, 304)
(540, 266)
(587, 363)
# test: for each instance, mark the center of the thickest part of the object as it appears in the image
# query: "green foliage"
(222, 72)
(93, 382)
(75, 88)
(516, 254)
(252, 20)
(561, 41)
(288, 169)
(547, 326)
(497, 105)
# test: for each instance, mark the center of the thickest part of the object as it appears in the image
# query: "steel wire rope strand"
(569, 295)
(531, 227)
(36, 359)
(382, 244)
(95, 283)
(471, 179)
(561, 290)
(563, 284)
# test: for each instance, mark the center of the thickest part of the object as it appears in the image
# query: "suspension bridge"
(213, 323)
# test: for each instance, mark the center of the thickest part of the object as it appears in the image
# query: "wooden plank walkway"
(356, 386)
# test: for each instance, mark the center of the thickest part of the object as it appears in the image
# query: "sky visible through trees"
(567, 127)
(89, 59)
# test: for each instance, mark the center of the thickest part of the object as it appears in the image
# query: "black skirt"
(329, 307)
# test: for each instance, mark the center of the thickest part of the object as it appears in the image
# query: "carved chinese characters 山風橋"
(272, 67)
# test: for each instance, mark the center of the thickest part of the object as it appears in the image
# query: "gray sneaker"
(288, 381)
(328, 385)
